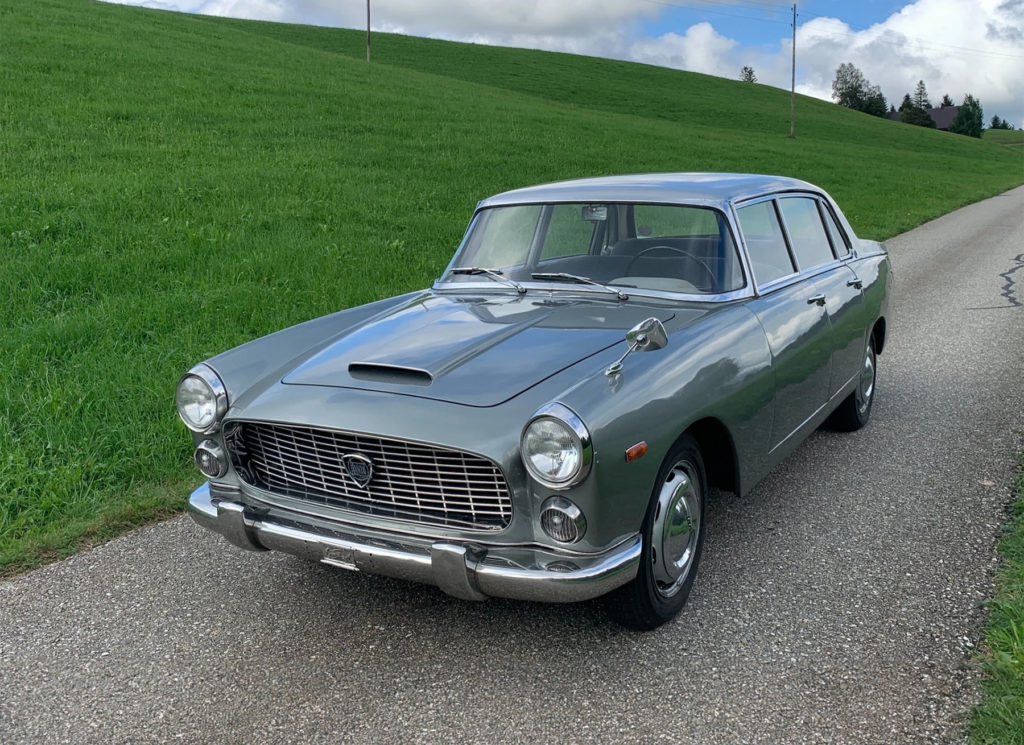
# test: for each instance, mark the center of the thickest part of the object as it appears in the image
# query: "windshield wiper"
(582, 280)
(494, 274)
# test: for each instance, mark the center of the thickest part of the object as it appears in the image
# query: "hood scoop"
(376, 372)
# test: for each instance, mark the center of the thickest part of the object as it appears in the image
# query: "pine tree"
(998, 123)
(874, 102)
(921, 96)
(747, 75)
(969, 119)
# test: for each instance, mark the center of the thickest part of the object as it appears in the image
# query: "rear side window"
(806, 231)
(765, 243)
(839, 244)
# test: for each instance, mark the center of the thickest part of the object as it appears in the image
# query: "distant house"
(942, 117)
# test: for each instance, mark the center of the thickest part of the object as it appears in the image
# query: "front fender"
(719, 368)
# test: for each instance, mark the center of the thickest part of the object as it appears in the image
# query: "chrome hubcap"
(866, 387)
(676, 529)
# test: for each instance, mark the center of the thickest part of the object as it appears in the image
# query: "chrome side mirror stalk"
(646, 336)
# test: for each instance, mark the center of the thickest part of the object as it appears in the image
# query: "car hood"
(477, 351)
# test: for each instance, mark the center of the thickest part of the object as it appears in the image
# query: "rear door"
(821, 252)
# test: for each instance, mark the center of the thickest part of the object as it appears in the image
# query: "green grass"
(999, 719)
(1004, 137)
(173, 185)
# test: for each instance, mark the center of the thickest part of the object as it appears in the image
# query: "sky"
(955, 46)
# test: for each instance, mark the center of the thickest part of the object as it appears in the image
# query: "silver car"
(548, 420)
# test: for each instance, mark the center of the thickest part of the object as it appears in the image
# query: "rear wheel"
(855, 410)
(673, 535)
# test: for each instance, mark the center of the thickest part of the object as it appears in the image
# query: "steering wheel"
(682, 252)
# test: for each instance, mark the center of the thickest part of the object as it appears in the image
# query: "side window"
(762, 235)
(568, 232)
(839, 244)
(810, 243)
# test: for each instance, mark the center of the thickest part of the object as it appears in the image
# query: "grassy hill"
(172, 185)
(1005, 137)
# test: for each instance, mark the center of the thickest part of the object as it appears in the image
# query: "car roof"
(717, 189)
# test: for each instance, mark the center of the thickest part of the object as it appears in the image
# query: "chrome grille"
(410, 481)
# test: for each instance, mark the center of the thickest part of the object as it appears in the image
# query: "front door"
(792, 311)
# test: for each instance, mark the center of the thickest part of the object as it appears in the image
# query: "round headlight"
(556, 447)
(201, 398)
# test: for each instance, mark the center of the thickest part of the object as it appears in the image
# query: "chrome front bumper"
(466, 572)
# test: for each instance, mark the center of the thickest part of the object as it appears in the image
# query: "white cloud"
(700, 49)
(955, 46)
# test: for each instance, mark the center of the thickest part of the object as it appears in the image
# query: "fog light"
(562, 520)
(210, 459)
(562, 567)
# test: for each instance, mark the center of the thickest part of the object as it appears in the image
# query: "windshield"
(670, 248)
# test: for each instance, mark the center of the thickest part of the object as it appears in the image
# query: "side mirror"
(646, 336)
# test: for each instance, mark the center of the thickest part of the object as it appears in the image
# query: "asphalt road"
(841, 601)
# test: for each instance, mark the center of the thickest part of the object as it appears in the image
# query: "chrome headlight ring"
(556, 447)
(201, 399)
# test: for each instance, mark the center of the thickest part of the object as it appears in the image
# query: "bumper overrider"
(464, 571)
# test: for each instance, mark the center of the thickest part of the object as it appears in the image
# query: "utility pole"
(367, 30)
(793, 82)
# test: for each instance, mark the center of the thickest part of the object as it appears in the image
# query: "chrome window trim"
(800, 274)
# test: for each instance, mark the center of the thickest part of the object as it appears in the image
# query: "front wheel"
(673, 535)
(855, 410)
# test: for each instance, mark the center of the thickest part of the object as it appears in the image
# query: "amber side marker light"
(636, 451)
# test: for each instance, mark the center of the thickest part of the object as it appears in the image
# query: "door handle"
(819, 299)
(855, 283)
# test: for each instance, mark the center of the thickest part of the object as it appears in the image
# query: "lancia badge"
(359, 468)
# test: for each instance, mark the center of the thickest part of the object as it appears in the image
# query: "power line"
(698, 7)
(910, 40)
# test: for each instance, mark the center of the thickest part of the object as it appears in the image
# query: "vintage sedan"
(548, 420)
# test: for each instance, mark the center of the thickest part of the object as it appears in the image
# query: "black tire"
(672, 543)
(855, 410)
